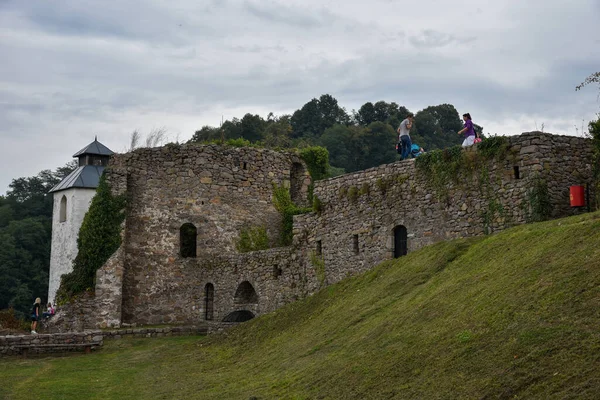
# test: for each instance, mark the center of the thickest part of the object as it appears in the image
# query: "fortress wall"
(561, 160)
(397, 194)
(217, 189)
(176, 292)
(207, 186)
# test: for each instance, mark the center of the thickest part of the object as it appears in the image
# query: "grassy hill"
(513, 315)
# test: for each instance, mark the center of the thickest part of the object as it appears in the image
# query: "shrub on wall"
(99, 237)
(317, 161)
(252, 238)
(286, 207)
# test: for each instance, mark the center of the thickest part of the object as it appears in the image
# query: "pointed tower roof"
(95, 148)
(92, 160)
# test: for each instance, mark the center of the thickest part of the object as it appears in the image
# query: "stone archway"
(245, 303)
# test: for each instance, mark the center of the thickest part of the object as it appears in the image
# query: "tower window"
(516, 172)
(63, 209)
(319, 247)
(355, 244)
(187, 240)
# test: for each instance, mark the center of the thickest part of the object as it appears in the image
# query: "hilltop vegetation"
(356, 140)
(512, 315)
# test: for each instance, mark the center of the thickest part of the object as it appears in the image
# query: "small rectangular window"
(516, 172)
(245, 166)
(355, 244)
(319, 248)
(276, 271)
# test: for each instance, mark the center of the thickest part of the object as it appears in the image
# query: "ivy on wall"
(286, 207)
(443, 167)
(538, 206)
(99, 237)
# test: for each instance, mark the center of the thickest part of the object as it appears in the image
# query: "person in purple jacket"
(468, 130)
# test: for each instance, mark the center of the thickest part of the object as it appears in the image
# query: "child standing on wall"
(468, 130)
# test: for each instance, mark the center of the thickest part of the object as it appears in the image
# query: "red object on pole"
(577, 196)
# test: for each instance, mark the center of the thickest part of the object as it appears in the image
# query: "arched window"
(209, 298)
(245, 294)
(400, 241)
(63, 209)
(187, 240)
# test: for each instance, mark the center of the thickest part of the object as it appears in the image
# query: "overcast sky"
(72, 69)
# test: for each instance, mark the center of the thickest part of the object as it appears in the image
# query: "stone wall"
(11, 345)
(220, 190)
(360, 212)
(54, 342)
(80, 314)
(361, 222)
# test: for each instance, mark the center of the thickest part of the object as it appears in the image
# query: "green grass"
(512, 315)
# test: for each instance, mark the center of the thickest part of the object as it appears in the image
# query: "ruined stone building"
(187, 204)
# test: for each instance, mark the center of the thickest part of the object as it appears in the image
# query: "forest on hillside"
(25, 234)
(357, 140)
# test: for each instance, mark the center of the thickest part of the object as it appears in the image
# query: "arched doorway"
(400, 241)
(209, 298)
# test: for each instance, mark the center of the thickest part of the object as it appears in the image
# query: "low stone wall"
(51, 343)
(155, 332)
(11, 345)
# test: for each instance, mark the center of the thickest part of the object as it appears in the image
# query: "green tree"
(380, 144)
(252, 127)
(316, 116)
(436, 127)
(25, 234)
(336, 139)
(205, 134)
(278, 132)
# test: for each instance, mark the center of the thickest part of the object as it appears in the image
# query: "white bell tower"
(72, 198)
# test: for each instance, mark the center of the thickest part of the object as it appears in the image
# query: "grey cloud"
(276, 13)
(133, 20)
(429, 38)
(257, 49)
(109, 72)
